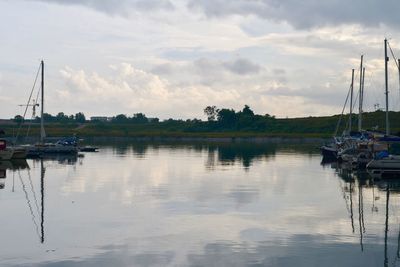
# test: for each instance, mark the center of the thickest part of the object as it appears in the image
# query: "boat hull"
(6, 154)
(328, 152)
(37, 151)
(393, 164)
(20, 153)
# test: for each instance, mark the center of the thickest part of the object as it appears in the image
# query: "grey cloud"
(279, 71)
(242, 66)
(308, 13)
(208, 70)
(312, 94)
(120, 7)
(238, 66)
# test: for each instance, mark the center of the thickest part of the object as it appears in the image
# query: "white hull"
(385, 163)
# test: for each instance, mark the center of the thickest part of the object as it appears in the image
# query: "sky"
(172, 58)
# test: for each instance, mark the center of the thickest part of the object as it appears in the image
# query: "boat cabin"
(3, 144)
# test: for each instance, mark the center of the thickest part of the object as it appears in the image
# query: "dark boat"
(329, 152)
(88, 149)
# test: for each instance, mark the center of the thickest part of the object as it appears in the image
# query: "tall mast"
(363, 79)
(360, 102)
(351, 99)
(386, 90)
(42, 132)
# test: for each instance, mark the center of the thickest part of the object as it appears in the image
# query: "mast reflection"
(22, 172)
(42, 172)
(387, 182)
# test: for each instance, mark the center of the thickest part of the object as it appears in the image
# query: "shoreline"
(209, 139)
(232, 139)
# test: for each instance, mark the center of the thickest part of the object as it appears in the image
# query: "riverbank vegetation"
(220, 123)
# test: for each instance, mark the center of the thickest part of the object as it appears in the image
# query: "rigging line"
(372, 86)
(33, 116)
(33, 192)
(395, 60)
(29, 204)
(341, 115)
(348, 122)
(394, 57)
(344, 195)
(27, 104)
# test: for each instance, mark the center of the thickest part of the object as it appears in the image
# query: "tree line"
(217, 119)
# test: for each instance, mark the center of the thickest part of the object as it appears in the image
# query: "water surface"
(196, 205)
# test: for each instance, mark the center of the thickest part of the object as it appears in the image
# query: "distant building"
(99, 118)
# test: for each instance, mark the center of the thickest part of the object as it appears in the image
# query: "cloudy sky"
(171, 58)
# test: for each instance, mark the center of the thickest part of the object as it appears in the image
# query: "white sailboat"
(386, 161)
(41, 148)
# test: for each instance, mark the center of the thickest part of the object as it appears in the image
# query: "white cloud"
(129, 90)
(178, 60)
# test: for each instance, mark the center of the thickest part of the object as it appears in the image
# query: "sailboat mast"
(351, 100)
(42, 132)
(386, 90)
(360, 102)
(362, 99)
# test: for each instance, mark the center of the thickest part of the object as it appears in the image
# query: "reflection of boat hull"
(11, 165)
(39, 150)
(384, 173)
(14, 164)
(88, 149)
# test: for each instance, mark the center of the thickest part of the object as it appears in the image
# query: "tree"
(247, 111)
(61, 117)
(139, 118)
(211, 112)
(18, 119)
(120, 118)
(80, 117)
(227, 117)
(47, 117)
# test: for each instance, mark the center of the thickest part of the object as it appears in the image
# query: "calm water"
(196, 205)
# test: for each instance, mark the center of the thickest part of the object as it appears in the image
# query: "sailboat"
(41, 148)
(384, 160)
(330, 151)
(354, 146)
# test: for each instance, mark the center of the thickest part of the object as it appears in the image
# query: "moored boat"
(6, 153)
(63, 146)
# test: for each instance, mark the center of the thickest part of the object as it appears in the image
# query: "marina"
(366, 148)
(220, 205)
(229, 133)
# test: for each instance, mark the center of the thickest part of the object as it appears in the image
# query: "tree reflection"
(224, 154)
